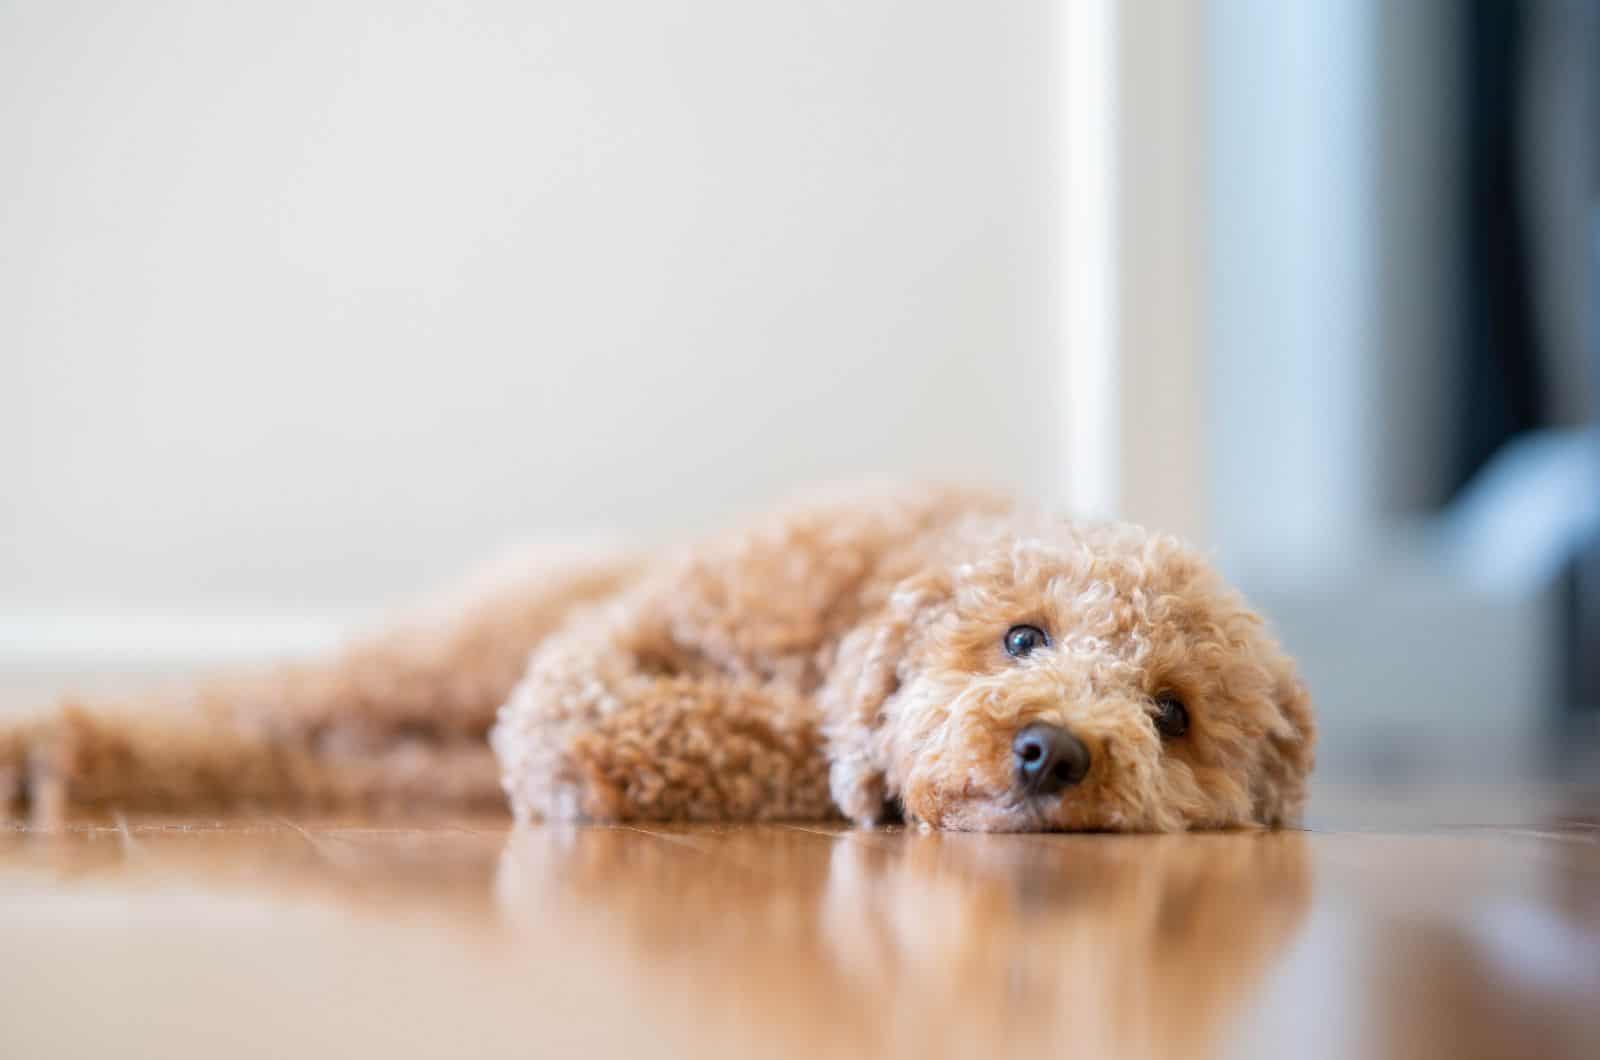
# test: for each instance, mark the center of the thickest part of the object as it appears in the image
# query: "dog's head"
(1042, 676)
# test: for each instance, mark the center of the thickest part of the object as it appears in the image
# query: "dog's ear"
(1288, 751)
(868, 670)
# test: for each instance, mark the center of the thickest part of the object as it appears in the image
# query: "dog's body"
(941, 651)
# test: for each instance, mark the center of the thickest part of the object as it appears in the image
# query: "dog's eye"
(1022, 640)
(1172, 717)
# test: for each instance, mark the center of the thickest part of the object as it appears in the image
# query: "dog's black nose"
(1048, 758)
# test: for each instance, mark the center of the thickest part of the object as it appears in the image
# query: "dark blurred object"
(1503, 389)
(1583, 580)
(1531, 306)
(1583, 645)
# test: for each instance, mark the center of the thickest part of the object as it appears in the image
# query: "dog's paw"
(553, 773)
(581, 781)
(25, 779)
(35, 760)
(13, 772)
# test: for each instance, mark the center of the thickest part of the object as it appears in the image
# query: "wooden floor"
(1453, 922)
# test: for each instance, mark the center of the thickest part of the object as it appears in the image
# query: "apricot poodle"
(943, 654)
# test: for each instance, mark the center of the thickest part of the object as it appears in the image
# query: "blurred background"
(305, 307)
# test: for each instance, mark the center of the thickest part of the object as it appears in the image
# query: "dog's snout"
(1048, 758)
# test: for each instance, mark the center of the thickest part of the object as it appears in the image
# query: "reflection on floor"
(1373, 934)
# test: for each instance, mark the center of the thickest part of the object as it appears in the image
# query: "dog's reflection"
(794, 941)
(941, 944)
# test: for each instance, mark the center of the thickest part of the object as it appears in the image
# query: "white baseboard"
(60, 641)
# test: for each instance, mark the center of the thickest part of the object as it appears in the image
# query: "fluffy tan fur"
(841, 655)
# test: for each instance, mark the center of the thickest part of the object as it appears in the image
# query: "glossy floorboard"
(1374, 934)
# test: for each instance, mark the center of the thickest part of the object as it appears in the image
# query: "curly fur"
(841, 655)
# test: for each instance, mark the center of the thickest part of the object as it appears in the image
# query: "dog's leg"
(177, 763)
(610, 724)
(669, 749)
(399, 718)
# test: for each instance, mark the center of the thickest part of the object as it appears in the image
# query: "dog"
(941, 655)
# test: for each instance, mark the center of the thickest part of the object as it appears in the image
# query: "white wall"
(305, 304)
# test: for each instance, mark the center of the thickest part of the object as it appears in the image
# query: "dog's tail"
(396, 720)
